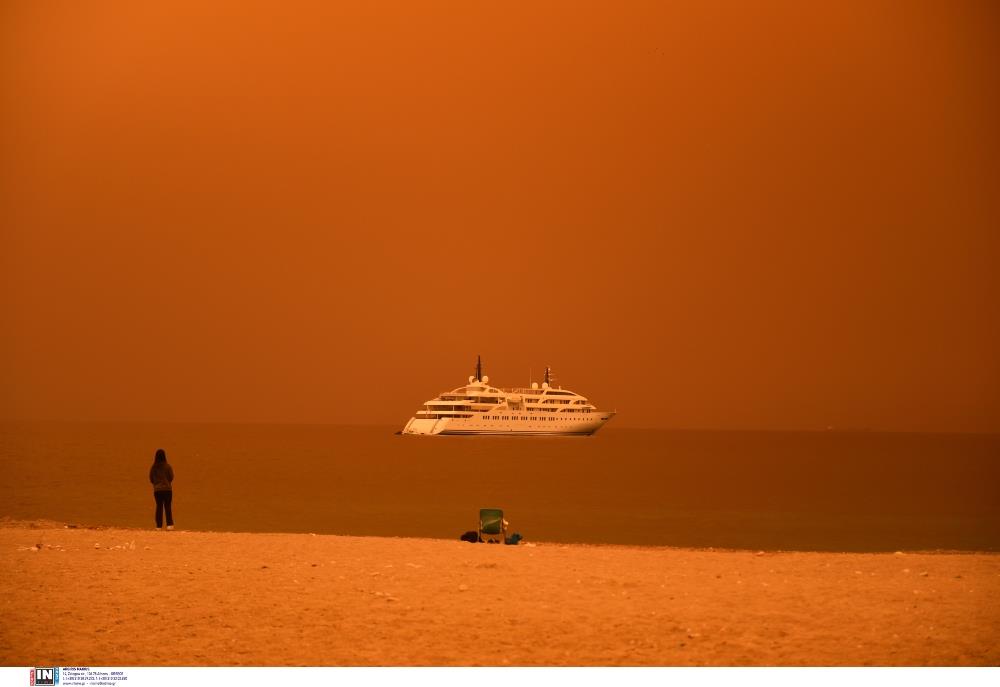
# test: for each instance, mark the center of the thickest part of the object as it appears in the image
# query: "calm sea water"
(862, 491)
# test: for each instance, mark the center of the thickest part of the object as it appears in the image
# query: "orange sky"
(726, 215)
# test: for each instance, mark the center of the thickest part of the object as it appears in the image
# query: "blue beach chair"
(492, 526)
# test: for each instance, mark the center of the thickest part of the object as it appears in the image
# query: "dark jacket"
(161, 475)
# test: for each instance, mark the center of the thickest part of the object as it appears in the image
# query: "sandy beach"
(101, 596)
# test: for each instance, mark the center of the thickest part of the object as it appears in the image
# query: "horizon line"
(305, 423)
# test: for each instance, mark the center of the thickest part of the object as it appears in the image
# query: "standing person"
(161, 475)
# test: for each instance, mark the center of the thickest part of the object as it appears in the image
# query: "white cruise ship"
(478, 408)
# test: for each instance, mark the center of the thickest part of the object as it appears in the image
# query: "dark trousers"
(163, 499)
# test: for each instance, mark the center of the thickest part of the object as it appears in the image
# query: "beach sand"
(123, 597)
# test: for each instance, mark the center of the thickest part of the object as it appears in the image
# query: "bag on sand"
(473, 538)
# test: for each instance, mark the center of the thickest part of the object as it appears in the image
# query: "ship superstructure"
(479, 408)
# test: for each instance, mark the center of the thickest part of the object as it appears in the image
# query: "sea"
(792, 491)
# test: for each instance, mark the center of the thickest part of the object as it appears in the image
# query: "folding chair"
(492, 526)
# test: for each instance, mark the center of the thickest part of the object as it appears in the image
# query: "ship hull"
(511, 424)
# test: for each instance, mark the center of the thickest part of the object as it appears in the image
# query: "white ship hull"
(512, 424)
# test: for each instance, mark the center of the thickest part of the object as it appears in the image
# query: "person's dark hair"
(161, 456)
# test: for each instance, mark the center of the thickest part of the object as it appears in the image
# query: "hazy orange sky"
(702, 214)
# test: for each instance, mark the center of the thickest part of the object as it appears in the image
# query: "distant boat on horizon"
(478, 408)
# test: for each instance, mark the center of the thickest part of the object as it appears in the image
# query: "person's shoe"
(170, 527)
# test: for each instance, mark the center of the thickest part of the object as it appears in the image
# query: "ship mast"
(546, 380)
(479, 368)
